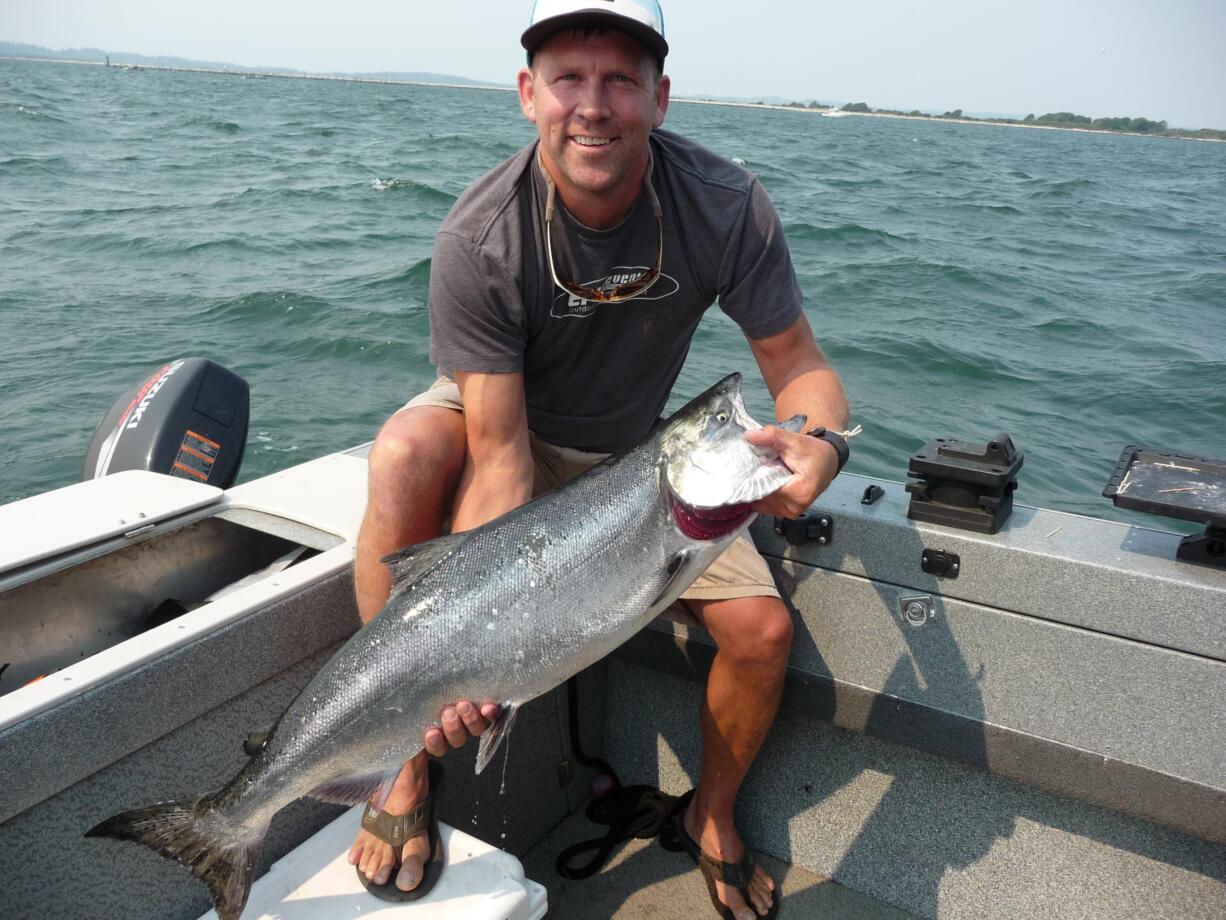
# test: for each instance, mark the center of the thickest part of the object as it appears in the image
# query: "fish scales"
(502, 613)
(549, 619)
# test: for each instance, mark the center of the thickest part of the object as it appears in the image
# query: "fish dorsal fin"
(496, 734)
(411, 563)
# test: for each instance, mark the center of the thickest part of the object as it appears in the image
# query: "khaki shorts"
(739, 572)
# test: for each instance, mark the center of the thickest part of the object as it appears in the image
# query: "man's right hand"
(460, 722)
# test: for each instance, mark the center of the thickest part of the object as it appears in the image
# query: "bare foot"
(720, 840)
(376, 858)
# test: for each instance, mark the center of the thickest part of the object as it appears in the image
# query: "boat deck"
(1043, 740)
(642, 881)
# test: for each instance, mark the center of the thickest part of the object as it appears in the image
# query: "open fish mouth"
(707, 523)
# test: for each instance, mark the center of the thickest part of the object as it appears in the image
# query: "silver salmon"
(504, 613)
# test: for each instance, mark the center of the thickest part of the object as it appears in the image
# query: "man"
(553, 370)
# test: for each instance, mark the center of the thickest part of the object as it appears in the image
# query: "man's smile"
(587, 140)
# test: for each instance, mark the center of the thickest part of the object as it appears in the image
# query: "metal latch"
(818, 526)
(917, 610)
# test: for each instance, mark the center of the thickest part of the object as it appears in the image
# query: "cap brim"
(536, 35)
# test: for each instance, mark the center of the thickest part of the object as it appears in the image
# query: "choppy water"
(1069, 289)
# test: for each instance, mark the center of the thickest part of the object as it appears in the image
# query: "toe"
(731, 897)
(410, 873)
(761, 892)
(382, 871)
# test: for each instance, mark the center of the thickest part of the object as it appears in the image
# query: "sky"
(1160, 59)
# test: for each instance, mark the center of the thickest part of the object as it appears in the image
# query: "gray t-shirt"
(598, 375)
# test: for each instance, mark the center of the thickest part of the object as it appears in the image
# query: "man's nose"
(594, 101)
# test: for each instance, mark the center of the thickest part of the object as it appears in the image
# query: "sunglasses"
(620, 292)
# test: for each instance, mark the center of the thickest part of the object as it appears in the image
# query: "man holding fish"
(565, 287)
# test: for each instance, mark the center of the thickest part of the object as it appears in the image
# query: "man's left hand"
(813, 462)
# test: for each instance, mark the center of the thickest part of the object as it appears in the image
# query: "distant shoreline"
(262, 74)
(970, 121)
(306, 75)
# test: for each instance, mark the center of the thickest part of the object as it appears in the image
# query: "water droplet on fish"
(532, 584)
(489, 625)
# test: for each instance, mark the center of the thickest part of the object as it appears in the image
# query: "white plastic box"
(315, 882)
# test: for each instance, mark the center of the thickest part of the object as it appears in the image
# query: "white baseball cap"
(641, 19)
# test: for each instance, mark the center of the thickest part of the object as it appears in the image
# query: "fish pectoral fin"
(350, 790)
(674, 572)
(496, 733)
(411, 563)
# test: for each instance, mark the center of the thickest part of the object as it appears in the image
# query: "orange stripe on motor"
(195, 453)
(191, 472)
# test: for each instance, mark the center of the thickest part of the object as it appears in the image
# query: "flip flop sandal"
(399, 830)
(737, 874)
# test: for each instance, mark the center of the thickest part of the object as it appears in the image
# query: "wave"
(426, 190)
(414, 279)
(264, 307)
(848, 235)
(1063, 188)
(220, 125)
(999, 208)
(26, 111)
(20, 163)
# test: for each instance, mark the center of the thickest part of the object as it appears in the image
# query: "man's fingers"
(473, 720)
(762, 437)
(453, 729)
(435, 742)
(458, 723)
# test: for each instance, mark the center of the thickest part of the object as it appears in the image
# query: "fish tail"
(220, 854)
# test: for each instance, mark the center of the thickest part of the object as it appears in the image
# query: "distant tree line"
(1050, 120)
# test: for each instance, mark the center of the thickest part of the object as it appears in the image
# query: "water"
(1069, 289)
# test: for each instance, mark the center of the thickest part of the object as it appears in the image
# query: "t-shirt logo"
(567, 306)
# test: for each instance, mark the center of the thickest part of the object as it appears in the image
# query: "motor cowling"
(187, 418)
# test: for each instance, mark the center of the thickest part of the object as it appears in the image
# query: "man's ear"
(662, 90)
(527, 89)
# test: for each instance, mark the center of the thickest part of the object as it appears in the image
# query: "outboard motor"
(188, 419)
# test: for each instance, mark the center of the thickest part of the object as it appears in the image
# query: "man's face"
(594, 101)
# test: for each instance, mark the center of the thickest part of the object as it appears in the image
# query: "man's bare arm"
(802, 382)
(497, 473)
(497, 478)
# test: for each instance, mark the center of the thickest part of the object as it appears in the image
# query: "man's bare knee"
(753, 631)
(421, 447)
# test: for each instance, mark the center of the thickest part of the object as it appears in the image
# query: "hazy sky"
(1157, 58)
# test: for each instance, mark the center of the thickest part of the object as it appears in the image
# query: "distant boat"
(834, 113)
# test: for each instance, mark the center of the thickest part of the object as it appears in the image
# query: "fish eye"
(721, 416)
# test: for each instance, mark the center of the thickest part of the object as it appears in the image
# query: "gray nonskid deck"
(643, 881)
(916, 831)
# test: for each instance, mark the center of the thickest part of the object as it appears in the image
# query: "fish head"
(711, 470)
